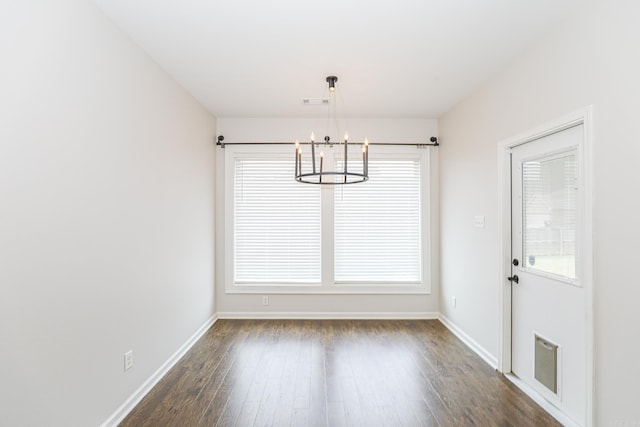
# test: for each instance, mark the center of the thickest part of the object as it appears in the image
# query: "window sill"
(378, 289)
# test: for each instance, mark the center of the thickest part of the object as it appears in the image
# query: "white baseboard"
(544, 403)
(137, 396)
(145, 388)
(327, 315)
(470, 342)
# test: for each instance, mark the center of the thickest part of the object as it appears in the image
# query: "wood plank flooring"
(334, 373)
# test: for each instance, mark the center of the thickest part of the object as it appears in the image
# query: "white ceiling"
(402, 58)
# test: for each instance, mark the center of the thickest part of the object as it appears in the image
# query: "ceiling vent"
(315, 101)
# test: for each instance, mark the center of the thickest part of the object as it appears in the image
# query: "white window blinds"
(276, 224)
(549, 206)
(377, 225)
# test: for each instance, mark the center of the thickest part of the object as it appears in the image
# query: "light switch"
(478, 221)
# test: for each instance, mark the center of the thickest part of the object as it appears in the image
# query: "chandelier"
(345, 171)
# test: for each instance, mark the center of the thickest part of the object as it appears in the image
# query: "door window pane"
(549, 214)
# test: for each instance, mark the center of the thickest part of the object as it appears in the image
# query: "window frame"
(327, 284)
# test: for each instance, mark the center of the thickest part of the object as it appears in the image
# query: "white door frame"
(585, 117)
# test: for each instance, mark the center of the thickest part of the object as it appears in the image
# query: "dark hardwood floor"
(334, 373)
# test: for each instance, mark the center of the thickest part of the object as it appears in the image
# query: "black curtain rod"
(433, 143)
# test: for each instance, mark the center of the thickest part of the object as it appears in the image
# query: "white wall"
(106, 215)
(592, 59)
(281, 130)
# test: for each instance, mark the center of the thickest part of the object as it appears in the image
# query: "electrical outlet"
(128, 360)
(455, 301)
(265, 300)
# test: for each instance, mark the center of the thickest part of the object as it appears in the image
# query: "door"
(548, 298)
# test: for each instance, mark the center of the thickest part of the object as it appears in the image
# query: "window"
(549, 210)
(284, 236)
(276, 224)
(377, 225)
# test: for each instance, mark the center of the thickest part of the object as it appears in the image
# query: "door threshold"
(549, 407)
